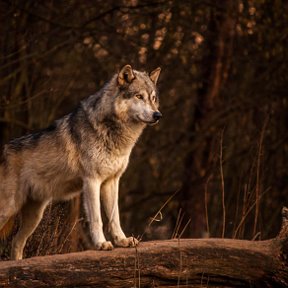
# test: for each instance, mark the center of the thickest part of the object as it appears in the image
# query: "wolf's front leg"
(109, 194)
(92, 204)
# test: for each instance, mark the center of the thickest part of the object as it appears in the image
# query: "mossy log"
(172, 263)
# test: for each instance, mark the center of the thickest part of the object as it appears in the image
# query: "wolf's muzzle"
(157, 116)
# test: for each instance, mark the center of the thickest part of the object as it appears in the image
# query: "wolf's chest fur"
(102, 147)
(102, 163)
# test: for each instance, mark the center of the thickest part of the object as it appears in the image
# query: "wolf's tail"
(7, 228)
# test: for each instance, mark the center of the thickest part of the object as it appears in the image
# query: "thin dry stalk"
(222, 185)
(44, 235)
(180, 264)
(242, 221)
(206, 204)
(68, 235)
(202, 279)
(237, 208)
(45, 247)
(247, 199)
(184, 228)
(54, 237)
(248, 196)
(179, 220)
(137, 275)
(258, 175)
(158, 213)
(258, 235)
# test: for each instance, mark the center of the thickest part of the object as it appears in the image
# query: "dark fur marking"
(96, 101)
(114, 132)
(128, 94)
(75, 135)
(123, 89)
(30, 140)
(79, 123)
(18, 144)
(112, 125)
(2, 158)
(88, 122)
(37, 135)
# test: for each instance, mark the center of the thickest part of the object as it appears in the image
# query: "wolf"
(85, 151)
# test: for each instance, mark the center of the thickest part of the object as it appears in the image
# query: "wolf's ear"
(154, 75)
(126, 75)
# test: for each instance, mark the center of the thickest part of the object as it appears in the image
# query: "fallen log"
(172, 263)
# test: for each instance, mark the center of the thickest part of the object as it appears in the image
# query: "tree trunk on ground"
(171, 263)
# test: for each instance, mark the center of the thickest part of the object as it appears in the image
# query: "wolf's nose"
(157, 115)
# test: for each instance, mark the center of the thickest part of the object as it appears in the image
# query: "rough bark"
(171, 263)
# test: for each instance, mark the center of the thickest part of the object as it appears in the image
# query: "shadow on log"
(171, 263)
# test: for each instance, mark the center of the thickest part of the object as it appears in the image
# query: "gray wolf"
(87, 150)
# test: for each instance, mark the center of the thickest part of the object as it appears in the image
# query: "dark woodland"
(216, 164)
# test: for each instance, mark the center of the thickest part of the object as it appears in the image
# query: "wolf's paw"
(126, 242)
(107, 245)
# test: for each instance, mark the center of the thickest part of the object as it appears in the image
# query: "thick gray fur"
(87, 150)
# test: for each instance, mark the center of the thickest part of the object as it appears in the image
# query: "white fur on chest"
(106, 164)
(111, 166)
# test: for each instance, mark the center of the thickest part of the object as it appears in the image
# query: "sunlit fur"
(87, 150)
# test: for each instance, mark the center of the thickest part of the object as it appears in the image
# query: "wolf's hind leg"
(32, 213)
(109, 194)
(3, 220)
(6, 212)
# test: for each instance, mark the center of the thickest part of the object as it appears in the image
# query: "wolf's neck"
(115, 133)
(121, 134)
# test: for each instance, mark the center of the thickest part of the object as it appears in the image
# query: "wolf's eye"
(139, 96)
(154, 98)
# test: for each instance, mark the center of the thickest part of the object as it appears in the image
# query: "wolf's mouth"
(150, 123)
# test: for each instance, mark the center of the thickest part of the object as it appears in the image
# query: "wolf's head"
(138, 97)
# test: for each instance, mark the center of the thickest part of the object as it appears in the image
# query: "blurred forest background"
(216, 165)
